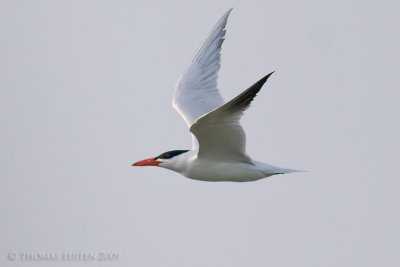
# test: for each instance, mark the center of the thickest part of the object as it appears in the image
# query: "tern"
(219, 142)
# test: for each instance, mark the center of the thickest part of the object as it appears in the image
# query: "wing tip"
(223, 20)
(263, 79)
(268, 75)
(217, 33)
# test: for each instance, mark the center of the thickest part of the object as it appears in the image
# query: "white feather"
(196, 90)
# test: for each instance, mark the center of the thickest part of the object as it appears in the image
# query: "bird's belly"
(223, 171)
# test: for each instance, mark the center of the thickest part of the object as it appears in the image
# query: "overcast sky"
(86, 88)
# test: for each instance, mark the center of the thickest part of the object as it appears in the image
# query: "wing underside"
(196, 90)
(219, 133)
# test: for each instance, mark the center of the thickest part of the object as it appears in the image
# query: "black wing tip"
(242, 101)
(257, 86)
(265, 78)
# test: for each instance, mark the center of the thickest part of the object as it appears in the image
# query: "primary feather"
(196, 91)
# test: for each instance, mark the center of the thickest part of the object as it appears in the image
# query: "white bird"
(219, 141)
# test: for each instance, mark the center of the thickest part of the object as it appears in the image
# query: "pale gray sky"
(85, 90)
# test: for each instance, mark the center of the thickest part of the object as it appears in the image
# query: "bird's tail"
(271, 170)
(284, 170)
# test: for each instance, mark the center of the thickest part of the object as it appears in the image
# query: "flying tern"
(219, 142)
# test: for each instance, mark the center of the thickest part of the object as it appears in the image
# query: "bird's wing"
(220, 135)
(196, 90)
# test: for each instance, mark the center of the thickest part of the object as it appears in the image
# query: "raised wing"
(196, 90)
(220, 135)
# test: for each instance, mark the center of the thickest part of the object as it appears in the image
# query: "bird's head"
(162, 160)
